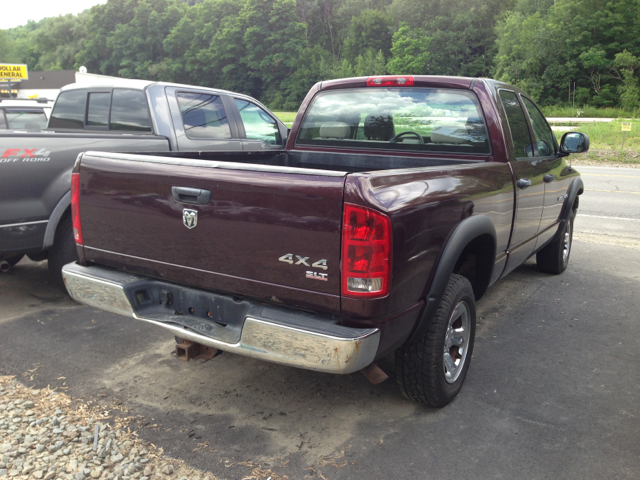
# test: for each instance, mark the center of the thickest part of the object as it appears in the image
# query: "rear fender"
(466, 232)
(59, 210)
(576, 188)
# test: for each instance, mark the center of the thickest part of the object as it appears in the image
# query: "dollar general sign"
(11, 71)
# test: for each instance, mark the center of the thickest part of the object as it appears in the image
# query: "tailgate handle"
(191, 195)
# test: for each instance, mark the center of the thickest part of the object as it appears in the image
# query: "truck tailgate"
(271, 233)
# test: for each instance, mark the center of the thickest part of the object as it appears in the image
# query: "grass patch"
(608, 136)
(607, 158)
(589, 112)
(286, 117)
(605, 138)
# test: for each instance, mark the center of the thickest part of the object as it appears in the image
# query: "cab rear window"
(407, 119)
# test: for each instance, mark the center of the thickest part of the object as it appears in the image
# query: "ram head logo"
(190, 218)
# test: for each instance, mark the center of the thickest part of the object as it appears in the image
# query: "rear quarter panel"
(425, 205)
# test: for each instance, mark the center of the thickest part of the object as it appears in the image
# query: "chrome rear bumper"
(267, 333)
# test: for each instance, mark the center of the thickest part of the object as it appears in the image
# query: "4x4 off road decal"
(25, 155)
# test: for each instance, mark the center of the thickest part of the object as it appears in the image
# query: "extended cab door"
(201, 120)
(529, 172)
(555, 183)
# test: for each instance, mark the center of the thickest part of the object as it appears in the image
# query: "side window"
(69, 110)
(258, 124)
(3, 123)
(129, 111)
(541, 130)
(517, 124)
(203, 116)
(98, 110)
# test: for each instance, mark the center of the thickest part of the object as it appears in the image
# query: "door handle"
(524, 183)
(196, 196)
(549, 178)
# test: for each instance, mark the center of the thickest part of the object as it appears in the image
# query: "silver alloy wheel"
(567, 242)
(456, 342)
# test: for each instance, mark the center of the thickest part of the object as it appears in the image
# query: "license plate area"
(214, 315)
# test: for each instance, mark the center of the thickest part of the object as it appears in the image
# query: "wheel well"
(476, 263)
(66, 214)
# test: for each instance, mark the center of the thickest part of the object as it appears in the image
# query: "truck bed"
(263, 206)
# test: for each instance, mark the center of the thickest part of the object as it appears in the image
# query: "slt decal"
(25, 155)
(321, 264)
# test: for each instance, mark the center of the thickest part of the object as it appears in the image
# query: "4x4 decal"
(321, 264)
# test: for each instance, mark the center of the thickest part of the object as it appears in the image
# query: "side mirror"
(574, 142)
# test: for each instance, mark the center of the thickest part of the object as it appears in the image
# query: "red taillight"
(366, 252)
(397, 81)
(75, 208)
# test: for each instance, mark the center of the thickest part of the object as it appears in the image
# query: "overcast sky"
(19, 12)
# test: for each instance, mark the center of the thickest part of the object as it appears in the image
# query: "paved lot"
(553, 390)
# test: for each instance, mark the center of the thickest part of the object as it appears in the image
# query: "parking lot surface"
(553, 390)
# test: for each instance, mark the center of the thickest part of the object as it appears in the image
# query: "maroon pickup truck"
(397, 202)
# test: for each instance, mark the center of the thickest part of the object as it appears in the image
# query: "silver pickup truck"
(24, 114)
(124, 116)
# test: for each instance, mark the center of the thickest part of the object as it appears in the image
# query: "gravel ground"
(44, 435)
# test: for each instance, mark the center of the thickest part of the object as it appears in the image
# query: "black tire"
(552, 258)
(63, 251)
(420, 364)
(13, 260)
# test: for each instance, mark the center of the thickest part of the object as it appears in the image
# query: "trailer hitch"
(187, 350)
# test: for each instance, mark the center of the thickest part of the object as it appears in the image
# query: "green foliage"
(462, 32)
(553, 45)
(371, 30)
(624, 66)
(588, 111)
(314, 64)
(6, 47)
(276, 50)
(370, 63)
(58, 41)
(410, 51)
(125, 37)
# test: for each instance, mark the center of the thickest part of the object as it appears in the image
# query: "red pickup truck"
(397, 202)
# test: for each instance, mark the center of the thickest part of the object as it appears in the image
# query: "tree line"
(560, 51)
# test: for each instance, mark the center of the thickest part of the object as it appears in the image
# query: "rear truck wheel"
(554, 258)
(432, 368)
(62, 252)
